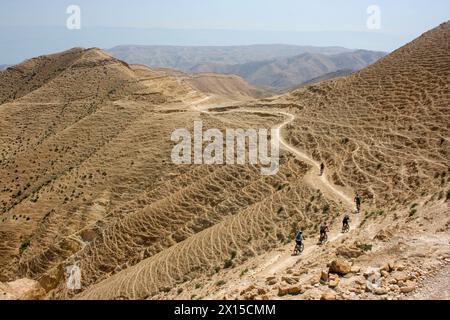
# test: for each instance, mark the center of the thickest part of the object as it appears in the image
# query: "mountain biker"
(346, 222)
(322, 168)
(323, 231)
(299, 238)
(358, 202)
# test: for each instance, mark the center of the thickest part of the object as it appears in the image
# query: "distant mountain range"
(272, 66)
(3, 66)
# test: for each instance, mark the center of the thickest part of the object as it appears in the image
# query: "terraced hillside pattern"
(86, 178)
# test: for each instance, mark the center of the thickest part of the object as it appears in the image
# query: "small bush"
(365, 247)
(228, 264)
(198, 285)
(24, 246)
(220, 283)
(244, 272)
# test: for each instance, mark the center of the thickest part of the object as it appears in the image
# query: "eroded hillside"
(87, 178)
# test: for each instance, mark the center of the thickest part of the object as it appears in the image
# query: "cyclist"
(299, 237)
(323, 232)
(358, 202)
(346, 223)
(322, 168)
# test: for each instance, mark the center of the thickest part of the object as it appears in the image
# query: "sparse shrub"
(228, 264)
(166, 290)
(244, 272)
(220, 283)
(365, 247)
(280, 236)
(412, 212)
(308, 207)
(24, 246)
(448, 195)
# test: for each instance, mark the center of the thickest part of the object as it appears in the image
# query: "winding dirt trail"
(285, 260)
(313, 179)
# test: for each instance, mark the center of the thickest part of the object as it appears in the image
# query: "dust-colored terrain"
(86, 177)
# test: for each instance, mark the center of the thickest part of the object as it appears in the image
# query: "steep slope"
(60, 141)
(226, 85)
(82, 172)
(87, 179)
(21, 79)
(328, 76)
(383, 132)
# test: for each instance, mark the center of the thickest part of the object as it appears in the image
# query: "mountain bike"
(323, 239)
(346, 228)
(298, 249)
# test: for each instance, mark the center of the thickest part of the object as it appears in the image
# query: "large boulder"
(292, 290)
(290, 280)
(340, 267)
(253, 293)
(349, 252)
(401, 276)
(328, 295)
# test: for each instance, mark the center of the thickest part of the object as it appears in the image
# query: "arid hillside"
(382, 132)
(226, 85)
(62, 118)
(86, 178)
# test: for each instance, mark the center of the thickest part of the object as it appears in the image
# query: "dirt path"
(282, 261)
(313, 179)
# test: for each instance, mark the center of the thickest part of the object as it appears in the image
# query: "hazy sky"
(401, 21)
